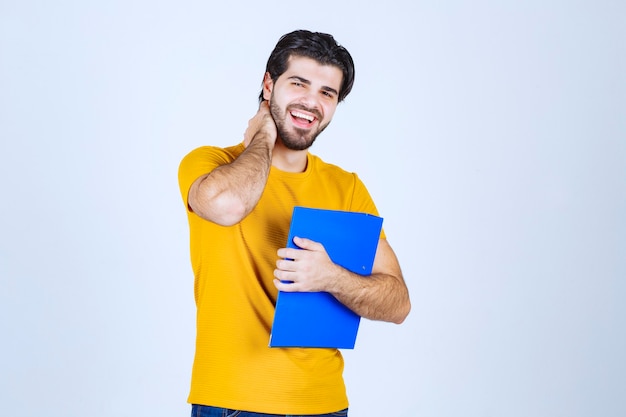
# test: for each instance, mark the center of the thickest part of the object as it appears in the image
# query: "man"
(239, 201)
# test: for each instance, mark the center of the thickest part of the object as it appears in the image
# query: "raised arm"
(381, 296)
(228, 194)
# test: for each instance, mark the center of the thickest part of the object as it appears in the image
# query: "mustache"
(313, 111)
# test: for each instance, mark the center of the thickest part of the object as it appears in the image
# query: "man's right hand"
(227, 194)
(262, 125)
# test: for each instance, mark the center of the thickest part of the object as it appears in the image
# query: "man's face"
(303, 100)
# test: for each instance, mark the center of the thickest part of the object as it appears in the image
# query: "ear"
(268, 86)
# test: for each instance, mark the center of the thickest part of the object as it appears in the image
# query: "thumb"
(308, 244)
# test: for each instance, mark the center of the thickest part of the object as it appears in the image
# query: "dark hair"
(315, 45)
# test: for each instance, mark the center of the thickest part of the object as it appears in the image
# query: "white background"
(492, 136)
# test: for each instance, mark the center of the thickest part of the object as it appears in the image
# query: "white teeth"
(302, 116)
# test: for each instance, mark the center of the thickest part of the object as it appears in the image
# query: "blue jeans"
(207, 411)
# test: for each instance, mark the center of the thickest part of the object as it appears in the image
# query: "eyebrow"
(307, 82)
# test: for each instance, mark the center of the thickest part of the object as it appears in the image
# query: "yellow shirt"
(235, 295)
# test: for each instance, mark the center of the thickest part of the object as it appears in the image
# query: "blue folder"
(317, 319)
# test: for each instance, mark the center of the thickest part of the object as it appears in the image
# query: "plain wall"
(492, 136)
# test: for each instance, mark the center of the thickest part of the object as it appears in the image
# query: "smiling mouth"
(302, 117)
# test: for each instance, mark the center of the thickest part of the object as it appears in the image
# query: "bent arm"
(228, 194)
(381, 296)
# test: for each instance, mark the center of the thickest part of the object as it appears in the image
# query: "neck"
(288, 160)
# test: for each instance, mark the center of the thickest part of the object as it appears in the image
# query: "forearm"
(229, 193)
(376, 297)
(381, 296)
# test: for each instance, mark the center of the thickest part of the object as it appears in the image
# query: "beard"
(295, 139)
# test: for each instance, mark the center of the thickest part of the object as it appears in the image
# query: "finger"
(264, 108)
(283, 275)
(285, 265)
(288, 253)
(308, 244)
(285, 286)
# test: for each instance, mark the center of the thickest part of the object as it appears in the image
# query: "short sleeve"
(202, 161)
(362, 200)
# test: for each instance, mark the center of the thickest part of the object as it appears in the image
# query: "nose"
(311, 101)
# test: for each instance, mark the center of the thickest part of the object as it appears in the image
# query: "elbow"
(227, 212)
(220, 209)
(402, 312)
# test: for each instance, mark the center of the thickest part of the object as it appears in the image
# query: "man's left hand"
(307, 269)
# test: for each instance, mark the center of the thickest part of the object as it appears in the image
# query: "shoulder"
(214, 154)
(335, 173)
(346, 182)
(203, 160)
(321, 167)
